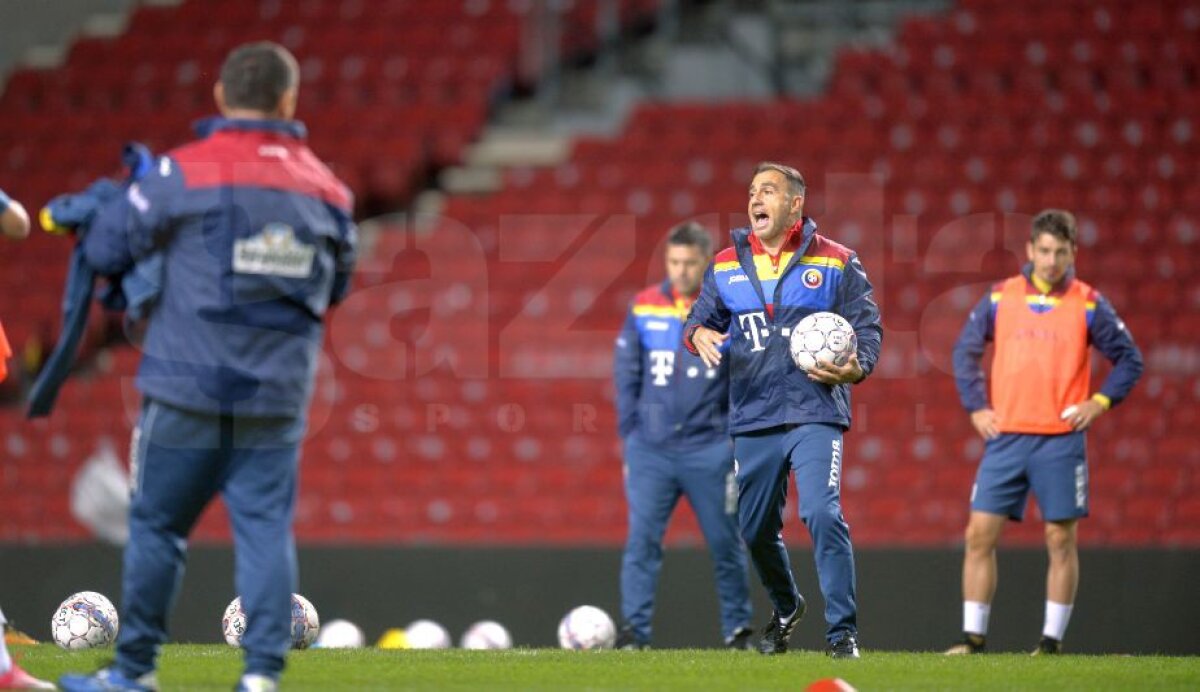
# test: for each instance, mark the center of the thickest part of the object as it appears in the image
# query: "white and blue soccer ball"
(85, 620)
(587, 628)
(486, 634)
(822, 336)
(427, 634)
(305, 623)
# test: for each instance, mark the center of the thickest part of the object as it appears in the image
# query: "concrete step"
(502, 146)
(469, 180)
(39, 34)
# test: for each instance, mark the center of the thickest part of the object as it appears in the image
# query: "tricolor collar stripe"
(657, 310)
(823, 262)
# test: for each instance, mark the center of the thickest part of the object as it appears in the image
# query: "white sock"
(258, 683)
(975, 617)
(5, 661)
(1057, 617)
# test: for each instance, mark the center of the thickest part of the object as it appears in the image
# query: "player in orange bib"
(1042, 323)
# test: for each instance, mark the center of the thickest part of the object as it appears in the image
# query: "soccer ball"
(822, 336)
(85, 620)
(393, 638)
(305, 622)
(427, 634)
(486, 634)
(233, 622)
(587, 627)
(340, 634)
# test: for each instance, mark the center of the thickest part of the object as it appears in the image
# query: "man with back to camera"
(14, 224)
(256, 242)
(778, 271)
(1042, 323)
(672, 412)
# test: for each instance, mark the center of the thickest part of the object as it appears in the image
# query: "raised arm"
(707, 325)
(135, 223)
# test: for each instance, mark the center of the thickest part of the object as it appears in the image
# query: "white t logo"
(751, 323)
(662, 365)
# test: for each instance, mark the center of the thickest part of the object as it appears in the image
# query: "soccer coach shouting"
(251, 237)
(777, 272)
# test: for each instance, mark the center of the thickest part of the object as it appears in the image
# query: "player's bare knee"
(980, 539)
(1060, 539)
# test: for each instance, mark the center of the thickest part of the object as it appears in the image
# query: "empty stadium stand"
(465, 397)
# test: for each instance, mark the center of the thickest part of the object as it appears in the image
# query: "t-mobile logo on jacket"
(753, 327)
(662, 365)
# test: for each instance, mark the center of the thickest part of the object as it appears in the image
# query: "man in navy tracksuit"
(784, 419)
(253, 241)
(673, 418)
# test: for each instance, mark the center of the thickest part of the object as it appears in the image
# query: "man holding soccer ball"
(782, 418)
(1042, 323)
(253, 241)
(672, 414)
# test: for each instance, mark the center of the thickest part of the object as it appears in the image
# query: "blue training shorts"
(1053, 466)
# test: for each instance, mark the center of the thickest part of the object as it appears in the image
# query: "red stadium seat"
(997, 109)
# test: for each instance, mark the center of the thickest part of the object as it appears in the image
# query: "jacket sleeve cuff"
(972, 402)
(1102, 400)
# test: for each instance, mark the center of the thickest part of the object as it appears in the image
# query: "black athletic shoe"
(970, 644)
(1048, 646)
(742, 638)
(777, 632)
(626, 641)
(846, 647)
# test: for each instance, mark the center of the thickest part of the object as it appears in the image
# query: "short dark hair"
(795, 180)
(1056, 222)
(256, 75)
(691, 233)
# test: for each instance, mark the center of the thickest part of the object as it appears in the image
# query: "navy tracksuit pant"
(813, 454)
(180, 461)
(655, 479)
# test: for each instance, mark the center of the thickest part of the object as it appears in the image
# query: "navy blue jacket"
(130, 291)
(665, 394)
(1106, 332)
(766, 388)
(256, 242)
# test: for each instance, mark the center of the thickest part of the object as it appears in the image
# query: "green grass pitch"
(204, 667)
